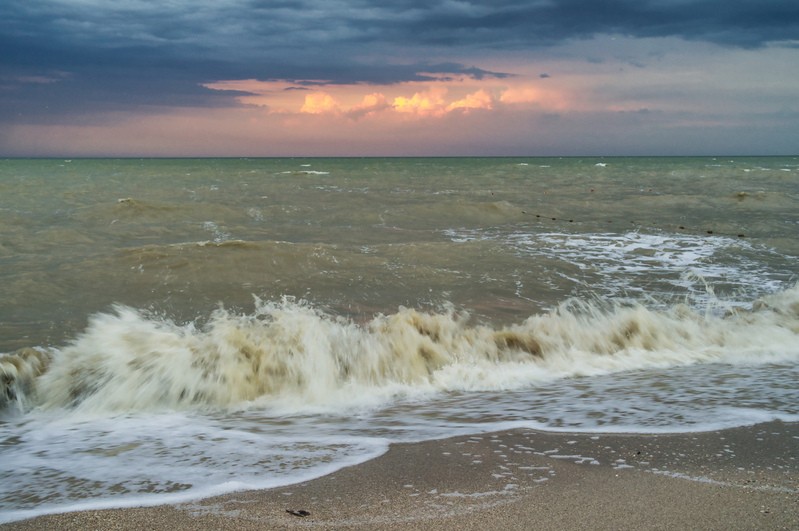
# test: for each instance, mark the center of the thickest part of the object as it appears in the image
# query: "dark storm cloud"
(101, 55)
(533, 23)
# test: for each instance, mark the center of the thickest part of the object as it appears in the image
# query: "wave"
(293, 353)
(18, 372)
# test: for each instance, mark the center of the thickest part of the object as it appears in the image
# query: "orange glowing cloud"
(477, 100)
(370, 105)
(320, 103)
(431, 98)
(427, 103)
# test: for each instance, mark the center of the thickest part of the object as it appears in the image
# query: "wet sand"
(744, 478)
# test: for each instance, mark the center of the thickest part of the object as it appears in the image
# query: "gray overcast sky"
(347, 77)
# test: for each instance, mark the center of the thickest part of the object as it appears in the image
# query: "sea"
(172, 329)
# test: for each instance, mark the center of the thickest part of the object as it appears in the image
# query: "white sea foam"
(306, 172)
(157, 459)
(292, 354)
(140, 410)
(220, 235)
(632, 264)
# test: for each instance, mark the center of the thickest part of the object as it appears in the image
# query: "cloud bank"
(88, 61)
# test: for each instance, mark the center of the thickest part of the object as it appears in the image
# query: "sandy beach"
(745, 478)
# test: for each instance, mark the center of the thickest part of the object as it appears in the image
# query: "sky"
(398, 78)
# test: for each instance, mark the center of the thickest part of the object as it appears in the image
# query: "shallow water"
(176, 328)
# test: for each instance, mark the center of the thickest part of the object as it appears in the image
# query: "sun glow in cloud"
(477, 100)
(371, 104)
(320, 103)
(428, 103)
(543, 76)
(409, 100)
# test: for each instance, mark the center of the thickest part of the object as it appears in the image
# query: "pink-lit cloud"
(371, 105)
(394, 79)
(477, 100)
(427, 103)
(320, 103)
(429, 99)
(634, 109)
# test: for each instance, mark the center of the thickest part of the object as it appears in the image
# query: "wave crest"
(290, 351)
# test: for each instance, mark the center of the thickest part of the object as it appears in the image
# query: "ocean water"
(172, 329)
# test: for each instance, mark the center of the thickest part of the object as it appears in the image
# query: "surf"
(129, 360)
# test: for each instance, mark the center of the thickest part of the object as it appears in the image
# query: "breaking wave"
(294, 354)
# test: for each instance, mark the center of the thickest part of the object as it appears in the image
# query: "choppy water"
(177, 328)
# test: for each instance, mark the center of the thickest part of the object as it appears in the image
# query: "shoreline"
(741, 478)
